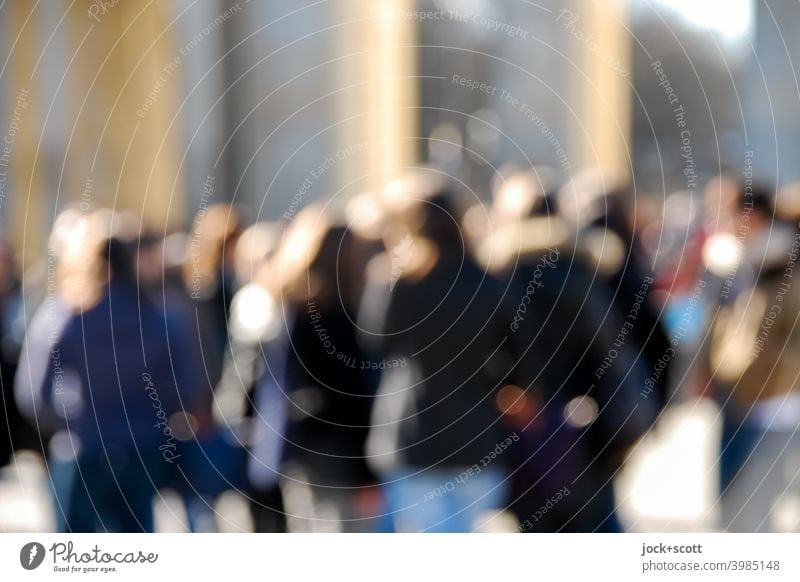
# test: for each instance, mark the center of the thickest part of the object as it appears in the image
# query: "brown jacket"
(755, 340)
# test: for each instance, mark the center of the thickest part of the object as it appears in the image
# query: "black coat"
(450, 328)
(329, 396)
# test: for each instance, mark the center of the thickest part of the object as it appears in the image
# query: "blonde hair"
(82, 273)
(212, 230)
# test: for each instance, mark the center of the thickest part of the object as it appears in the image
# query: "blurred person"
(38, 286)
(576, 401)
(326, 483)
(17, 433)
(210, 281)
(754, 359)
(520, 194)
(787, 203)
(249, 397)
(213, 461)
(160, 274)
(100, 372)
(438, 323)
(676, 299)
(615, 247)
(701, 267)
(155, 264)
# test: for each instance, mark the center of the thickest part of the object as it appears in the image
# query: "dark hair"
(440, 219)
(117, 254)
(758, 197)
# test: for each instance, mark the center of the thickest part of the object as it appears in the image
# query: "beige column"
(23, 173)
(603, 52)
(120, 143)
(125, 91)
(384, 88)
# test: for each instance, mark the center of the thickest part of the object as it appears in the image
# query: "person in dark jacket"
(249, 398)
(102, 370)
(577, 400)
(18, 433)
(438, 438)
(754, 360)
(327, 484)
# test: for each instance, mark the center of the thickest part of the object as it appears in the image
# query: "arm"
(41, 367)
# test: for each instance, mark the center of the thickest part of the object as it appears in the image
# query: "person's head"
(588, 196)
(212, 242)
(426, 208)
(437, 220)
(787, 203)
(521, 194)
(255, 247)
(149, 260)
(756, 201)
(720, 197)
(318, 261)
(299, 249)
(97, 250)
(115, 252)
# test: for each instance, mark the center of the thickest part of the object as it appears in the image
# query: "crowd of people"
(419, 359)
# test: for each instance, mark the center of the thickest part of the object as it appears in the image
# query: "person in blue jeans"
(102, 371)
(436, 322)
(444, 500)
